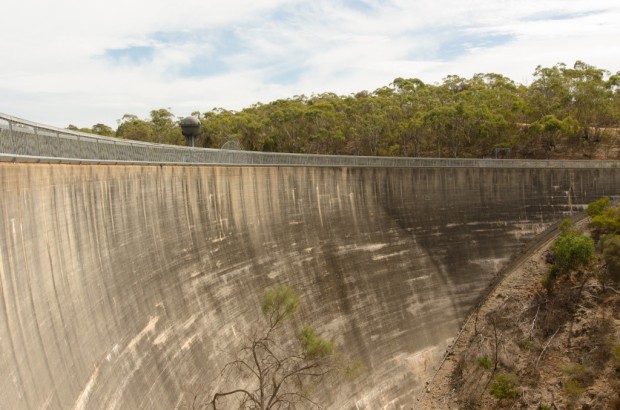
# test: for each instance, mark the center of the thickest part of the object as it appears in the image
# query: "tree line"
(567, 109)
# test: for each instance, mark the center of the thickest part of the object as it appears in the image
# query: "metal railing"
(26, 141)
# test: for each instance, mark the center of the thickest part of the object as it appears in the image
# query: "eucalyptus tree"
(102, 129)
(99, 129)
(549, 93)
(414, 99)
(218, 126)
(133, 128)
(165, 127)
(326, 121)
(566, 107)
(591, 102)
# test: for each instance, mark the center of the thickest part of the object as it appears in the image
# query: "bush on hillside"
(572, 251)
(505, 386)
(598, 207)
(610, 249)
(608, 221)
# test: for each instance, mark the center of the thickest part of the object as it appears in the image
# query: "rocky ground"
(533, 349)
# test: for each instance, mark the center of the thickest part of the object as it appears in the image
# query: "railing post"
(79, 144)
(37, 145)
(56, 144)
(12, 136)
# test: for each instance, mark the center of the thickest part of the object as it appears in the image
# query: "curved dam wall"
(122, 286)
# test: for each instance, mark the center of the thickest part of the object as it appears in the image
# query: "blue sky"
(79, 62)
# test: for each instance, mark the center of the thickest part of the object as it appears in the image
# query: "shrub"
(556, 308)
(574, 369)
(607, 221)
(551, 275)
(573, 388)
(615, 352)
(505, 386)
(598, 207)
(485, 362)
(610, 248)
(572, 251)
(579, 376)
(527, 344)
(566, 226)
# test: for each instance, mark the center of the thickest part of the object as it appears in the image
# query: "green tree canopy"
(572, 251)
(564, 111)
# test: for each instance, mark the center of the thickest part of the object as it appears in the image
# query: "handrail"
(27, 141)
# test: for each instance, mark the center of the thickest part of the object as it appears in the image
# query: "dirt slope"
(538, 351)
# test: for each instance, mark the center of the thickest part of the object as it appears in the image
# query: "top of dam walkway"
(26, 141)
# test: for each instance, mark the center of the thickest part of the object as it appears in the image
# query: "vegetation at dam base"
(549, 336)
(268, 373)
(565, 112)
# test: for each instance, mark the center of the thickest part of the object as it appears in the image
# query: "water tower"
(190, 127)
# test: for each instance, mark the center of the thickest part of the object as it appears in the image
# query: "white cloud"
(58, 67)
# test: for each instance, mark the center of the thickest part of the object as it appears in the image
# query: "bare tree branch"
(546, 346)
(272, 374)
(229, 393)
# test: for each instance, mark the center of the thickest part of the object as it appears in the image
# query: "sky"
(86, 62)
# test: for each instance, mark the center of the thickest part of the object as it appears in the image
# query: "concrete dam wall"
(121, 286)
